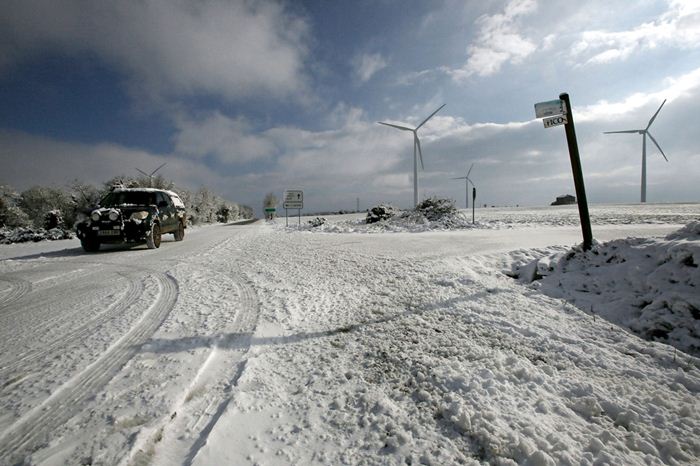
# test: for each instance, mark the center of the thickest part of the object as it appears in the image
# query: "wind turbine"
(466, 182)
(644, 132)
(416, 146)
(150, 177)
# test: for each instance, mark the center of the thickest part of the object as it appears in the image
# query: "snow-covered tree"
(11, 216)
(38, 200)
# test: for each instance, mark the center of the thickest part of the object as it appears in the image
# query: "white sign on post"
(555, 121)
(293, 199)
(549, 108)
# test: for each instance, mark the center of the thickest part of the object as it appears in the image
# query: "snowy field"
(261, 344)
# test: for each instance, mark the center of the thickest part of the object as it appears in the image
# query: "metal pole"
(286, 217)
(299, 213)
(473, 202)
(578, 174)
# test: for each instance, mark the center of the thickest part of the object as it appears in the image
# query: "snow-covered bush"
(380, 212)
(23, 235)
(435, 208)
(317, 222)
(53, 219)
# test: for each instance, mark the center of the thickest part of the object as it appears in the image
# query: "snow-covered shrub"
(23, 235)
(53, 219)
(223, 214)
(435, 208)
(380, 212)
(12, 216)
(317, 222)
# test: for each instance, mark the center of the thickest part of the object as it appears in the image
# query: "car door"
(168, 217)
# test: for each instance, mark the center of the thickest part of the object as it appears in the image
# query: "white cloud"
(29, 160)
(414, 77)
(230, 140)
(169, 47)
(498, 41)
(366, 65)
(678, 27)
(675, 88)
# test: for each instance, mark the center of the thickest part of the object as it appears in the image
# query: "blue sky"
(251, 97)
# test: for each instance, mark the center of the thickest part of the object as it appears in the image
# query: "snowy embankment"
(650, 286)
(508, 218)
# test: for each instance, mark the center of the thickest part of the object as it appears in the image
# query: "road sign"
(549, 108)
(270, 209)
(294, 199)
(551, 122)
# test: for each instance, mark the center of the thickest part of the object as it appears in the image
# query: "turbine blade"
(473, 185)
(142, 172)
(657, 145)
(460, 178)
(431, 115)
(626, 131)
(420, 152)
(470, 170)
(395, 126)
(654, 117)
(154, 171)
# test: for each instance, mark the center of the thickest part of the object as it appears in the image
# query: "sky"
(251, 97)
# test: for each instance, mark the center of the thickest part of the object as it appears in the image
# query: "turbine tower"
(417, 152)
(466, 182)
(644, 132)
(150, 177)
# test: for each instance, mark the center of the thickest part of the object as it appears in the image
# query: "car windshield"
(119, 198)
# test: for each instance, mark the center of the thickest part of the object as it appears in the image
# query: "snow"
(262, 344)
(649, 286)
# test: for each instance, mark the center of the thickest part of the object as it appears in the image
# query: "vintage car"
(133, 215)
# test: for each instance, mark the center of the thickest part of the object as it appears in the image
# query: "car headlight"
(95, 216)
(113, 215)
(139, 215)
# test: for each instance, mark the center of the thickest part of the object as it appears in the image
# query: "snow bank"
(404, 221)
(650, 286)
(502, 218)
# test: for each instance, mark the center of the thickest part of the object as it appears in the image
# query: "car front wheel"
(153, 238)
(90, 245)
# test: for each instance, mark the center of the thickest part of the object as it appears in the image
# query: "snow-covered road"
(249, 344)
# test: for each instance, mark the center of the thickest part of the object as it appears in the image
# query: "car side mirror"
(162, 204)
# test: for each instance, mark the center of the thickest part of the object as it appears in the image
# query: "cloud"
(29, 160)
(169, 47)
(366, 65)
(497, 42)
(683, 86)
(414, 77)
(231, 140)
(678, 27)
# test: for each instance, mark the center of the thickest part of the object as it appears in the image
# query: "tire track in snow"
(130, 296)
(34, 428)
(18, 288)
(184, 432)
(41, 297)
(54, 313)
